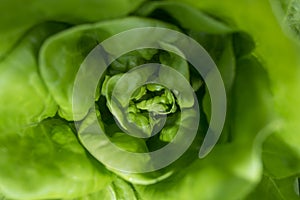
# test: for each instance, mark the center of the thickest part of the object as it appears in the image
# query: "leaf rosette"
(85, 120)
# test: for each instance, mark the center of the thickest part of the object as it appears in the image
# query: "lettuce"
(51, 158)
(50, 149)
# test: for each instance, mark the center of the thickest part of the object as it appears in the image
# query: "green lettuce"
(51, 158)
(44, 153)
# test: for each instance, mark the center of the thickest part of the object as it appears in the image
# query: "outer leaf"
(123, 190)
(16, 18)
(2, 197)
(104, 194)
(47, 161)
(218, 176)
(275, 189)
(280, 159)
(118, 189)
(278, 53)
(252, 95)
(183, 15)
(24, 97)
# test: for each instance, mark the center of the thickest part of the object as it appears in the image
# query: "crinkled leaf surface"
(47, 161)
(263, 88)
(24, 98)
(63, 54)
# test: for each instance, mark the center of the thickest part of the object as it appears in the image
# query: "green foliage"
(255, 45)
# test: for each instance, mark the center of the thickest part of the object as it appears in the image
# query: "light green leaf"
(228, 169)
(24, 98)
(278, 53)
(17, 19)
(187, 16)
(123, 190)
(47, 161)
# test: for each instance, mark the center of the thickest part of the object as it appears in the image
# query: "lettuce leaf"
(255, 45)
(47, 161)
(24, 98)
(17, 20)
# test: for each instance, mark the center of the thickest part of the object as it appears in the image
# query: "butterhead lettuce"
(43, 148)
